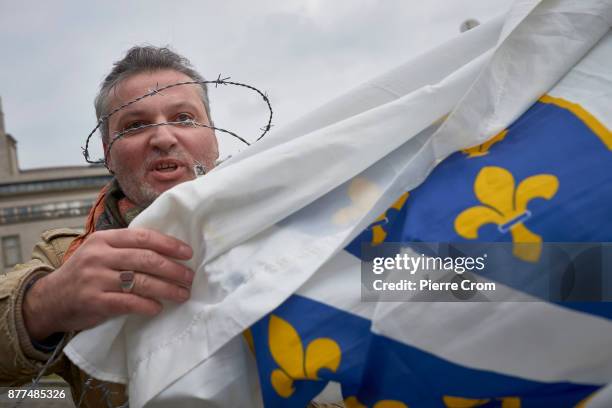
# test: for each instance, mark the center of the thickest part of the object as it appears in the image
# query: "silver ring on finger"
(126, 281)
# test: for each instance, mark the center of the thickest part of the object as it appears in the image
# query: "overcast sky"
(301, 52)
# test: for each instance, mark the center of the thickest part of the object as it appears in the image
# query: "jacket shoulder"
(54, 245)
(50, 235)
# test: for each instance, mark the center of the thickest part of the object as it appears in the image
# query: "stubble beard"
(134, 186)
(136, 189)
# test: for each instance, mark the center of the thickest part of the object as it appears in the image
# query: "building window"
(35, 212)
(11, 250)
(7, 190)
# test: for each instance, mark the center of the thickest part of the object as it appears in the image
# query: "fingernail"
(189, 275)
(183, 294)
(186, 251)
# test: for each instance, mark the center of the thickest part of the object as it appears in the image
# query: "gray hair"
(145, 59)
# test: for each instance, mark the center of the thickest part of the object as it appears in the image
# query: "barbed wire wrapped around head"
(219, 81)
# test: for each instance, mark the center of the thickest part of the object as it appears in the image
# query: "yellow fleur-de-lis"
(378, 231)
(295, 363)
(483, 149)
(458, 402)
(507, 207)
(353, 402)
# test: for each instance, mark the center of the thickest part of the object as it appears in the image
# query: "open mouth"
(166, 167)
(167, 170)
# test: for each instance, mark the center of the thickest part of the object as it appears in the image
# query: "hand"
(86, 290)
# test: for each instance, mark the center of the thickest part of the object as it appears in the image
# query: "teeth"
(166, 166)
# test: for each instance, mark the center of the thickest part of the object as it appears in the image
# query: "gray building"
(32, 201)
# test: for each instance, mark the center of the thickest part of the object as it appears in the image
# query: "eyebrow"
(128, 114)
(182, 104)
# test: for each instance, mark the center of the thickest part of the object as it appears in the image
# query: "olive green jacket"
(20, 362)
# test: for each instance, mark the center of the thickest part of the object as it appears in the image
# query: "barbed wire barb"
(155, 91)
(220, 81)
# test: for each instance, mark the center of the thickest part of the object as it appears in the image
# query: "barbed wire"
(157, 91)
(40, 375)
(106, 394)
(87, 384)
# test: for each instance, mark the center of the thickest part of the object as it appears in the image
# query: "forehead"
(137, 85)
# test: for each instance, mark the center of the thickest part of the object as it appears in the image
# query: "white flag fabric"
(273, 222)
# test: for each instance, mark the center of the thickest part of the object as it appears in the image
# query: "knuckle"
(87, 277)
(142, 283)
(99, 236)
(95, 237)
(93, 246)
(148, 258)
(160, 262)
(155, 261)
(92, 256)
(142, 236)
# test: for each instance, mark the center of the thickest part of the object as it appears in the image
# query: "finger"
(153, 288)
(150, 262)
(149, 239)
(117, 303)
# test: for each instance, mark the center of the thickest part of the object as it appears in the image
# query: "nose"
(163, 138)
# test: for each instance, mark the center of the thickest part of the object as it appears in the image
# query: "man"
(74, 283)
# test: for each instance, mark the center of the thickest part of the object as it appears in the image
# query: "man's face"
(150, 161)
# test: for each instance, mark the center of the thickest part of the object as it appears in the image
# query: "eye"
(134, 125)
(184, 117)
